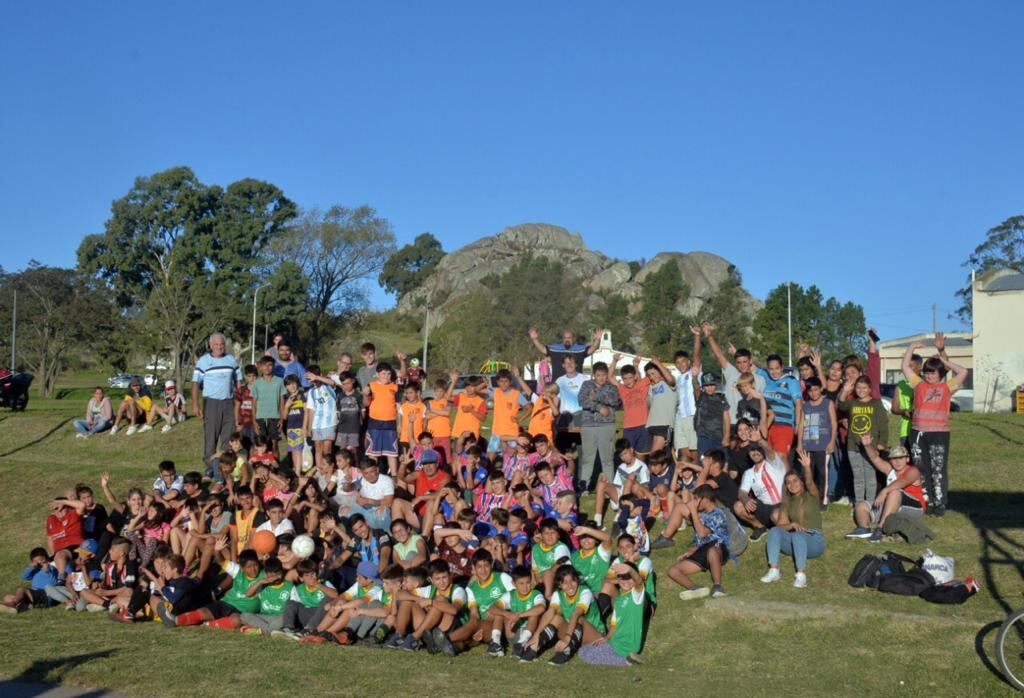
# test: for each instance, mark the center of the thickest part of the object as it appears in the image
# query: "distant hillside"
(460, 272)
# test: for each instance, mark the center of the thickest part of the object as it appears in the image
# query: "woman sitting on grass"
(798, 530)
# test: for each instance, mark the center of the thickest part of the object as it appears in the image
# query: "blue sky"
(832, 143)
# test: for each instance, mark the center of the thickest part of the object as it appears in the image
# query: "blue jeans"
(373, 517)
(801, 545)
(83, 427)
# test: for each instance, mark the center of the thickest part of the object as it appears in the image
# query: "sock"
(190, 618)
(524, 637)
(496, 636)
(547, 638)
(222, 623)
(575, 640)
(598, 519)
(604, 604)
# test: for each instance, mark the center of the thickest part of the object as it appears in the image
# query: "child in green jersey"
(273, 593)
(548, 553)
(308, 603)
(626, 627)
(518, 611)
(226, 613)
(572, 620)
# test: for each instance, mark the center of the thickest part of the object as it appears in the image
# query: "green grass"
(827, 639)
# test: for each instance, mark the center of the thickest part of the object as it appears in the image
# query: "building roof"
(1009, 282)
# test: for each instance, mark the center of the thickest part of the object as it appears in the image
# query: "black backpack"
(910, 583)
(872, 568)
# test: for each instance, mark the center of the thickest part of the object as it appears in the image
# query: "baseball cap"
(430, 456)
(898, 452)
(367, 569)
(88, 547)
(170, 384)
(709, 378)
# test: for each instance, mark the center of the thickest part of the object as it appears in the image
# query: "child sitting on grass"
(40, 573)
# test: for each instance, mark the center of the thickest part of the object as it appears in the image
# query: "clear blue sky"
(850, 136)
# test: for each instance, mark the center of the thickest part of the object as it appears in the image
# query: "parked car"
(151, 379)
(963, 401)
(121, 380)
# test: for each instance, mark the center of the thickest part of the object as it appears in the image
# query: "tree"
(664, 327)
(406, 269)
(835, 328)
(181, 257)
(64, 318)
(493, 323)
(728, 312)
(337, 251)
(1003, 248)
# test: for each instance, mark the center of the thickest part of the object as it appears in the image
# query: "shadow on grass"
(979, 648)
(40, 676)
(39, 440)
(995, 432)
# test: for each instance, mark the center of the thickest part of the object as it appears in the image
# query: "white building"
(998, 311)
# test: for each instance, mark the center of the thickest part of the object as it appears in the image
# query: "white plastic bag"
(940, 568)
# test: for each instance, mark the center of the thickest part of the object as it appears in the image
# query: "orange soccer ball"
(264, 542)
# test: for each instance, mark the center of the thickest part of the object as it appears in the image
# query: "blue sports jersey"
(781, 396)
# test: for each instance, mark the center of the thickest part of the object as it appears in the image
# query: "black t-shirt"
(709, 418)
(94, 522)
(750, 410)
(739, 460)
(558, 352)
(181, 594)
(728, 491)
(349, 407)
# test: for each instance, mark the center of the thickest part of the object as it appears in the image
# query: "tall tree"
(835, 328)
(664, 327)
(65, 317)
(181, 256)
(1003, 248)
(337, 251)
(406, 269)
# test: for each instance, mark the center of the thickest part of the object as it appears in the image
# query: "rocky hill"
(460, 272)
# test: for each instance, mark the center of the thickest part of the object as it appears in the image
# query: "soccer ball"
(302, 546)
(414, 362)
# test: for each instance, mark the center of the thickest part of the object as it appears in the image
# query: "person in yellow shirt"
(381, 425)
(134, 409)
(411, 417)
(507, 403)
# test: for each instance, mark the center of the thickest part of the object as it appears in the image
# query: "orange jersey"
(506, 407)
(542, 421)
(439, 427)
(383, 401)
(465, 421)
(412, 421)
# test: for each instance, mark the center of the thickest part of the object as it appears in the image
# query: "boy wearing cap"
(425, 482)
(173, 410)
(711, 419)
(902, 494)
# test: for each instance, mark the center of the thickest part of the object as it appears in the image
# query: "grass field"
(828, 639)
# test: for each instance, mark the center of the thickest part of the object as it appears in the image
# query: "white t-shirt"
(286, 526)
(569, 392)
(638, 468)
(321, 401)
(766, 481)
(686, 405)
(384, 487)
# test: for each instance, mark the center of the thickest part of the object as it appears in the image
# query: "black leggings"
(930, 453)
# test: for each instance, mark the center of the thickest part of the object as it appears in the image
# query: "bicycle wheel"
(1010, 649)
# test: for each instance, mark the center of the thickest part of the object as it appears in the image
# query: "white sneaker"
(167, 428)
(773, 575)
(800, 581)
(145, 427)
(131, 430)
(113, 430)
(79, 435)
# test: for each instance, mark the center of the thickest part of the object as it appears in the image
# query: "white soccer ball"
(303, 546)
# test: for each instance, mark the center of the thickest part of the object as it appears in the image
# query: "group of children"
(395, 523)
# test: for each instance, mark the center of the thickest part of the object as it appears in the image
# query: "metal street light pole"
(789, 319)
(14, 329)
(255, 296)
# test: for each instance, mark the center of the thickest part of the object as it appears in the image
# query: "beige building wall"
(959, 349)
(998, 339)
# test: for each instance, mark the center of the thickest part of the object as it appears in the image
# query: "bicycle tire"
(1007, 626)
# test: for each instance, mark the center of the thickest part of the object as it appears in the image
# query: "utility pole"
(789, 319)
(426, 338)
(14, 329)
(255, 297)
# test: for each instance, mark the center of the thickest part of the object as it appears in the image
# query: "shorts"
(39, 597)
(381, 442)
(222, 609)
(764, 512)
(685, 436)
(496, 444)
(296, 444)
(638, 439)
(908, 507)
(347, 441)
(268, 428)
(324, 434)
(700, 555)
(780, 438)
(660, 430)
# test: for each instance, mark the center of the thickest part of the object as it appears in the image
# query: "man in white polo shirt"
(765, 481)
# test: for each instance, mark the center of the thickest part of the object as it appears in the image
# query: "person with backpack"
(797, 531)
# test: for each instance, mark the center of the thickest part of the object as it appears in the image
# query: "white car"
(151, 379)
